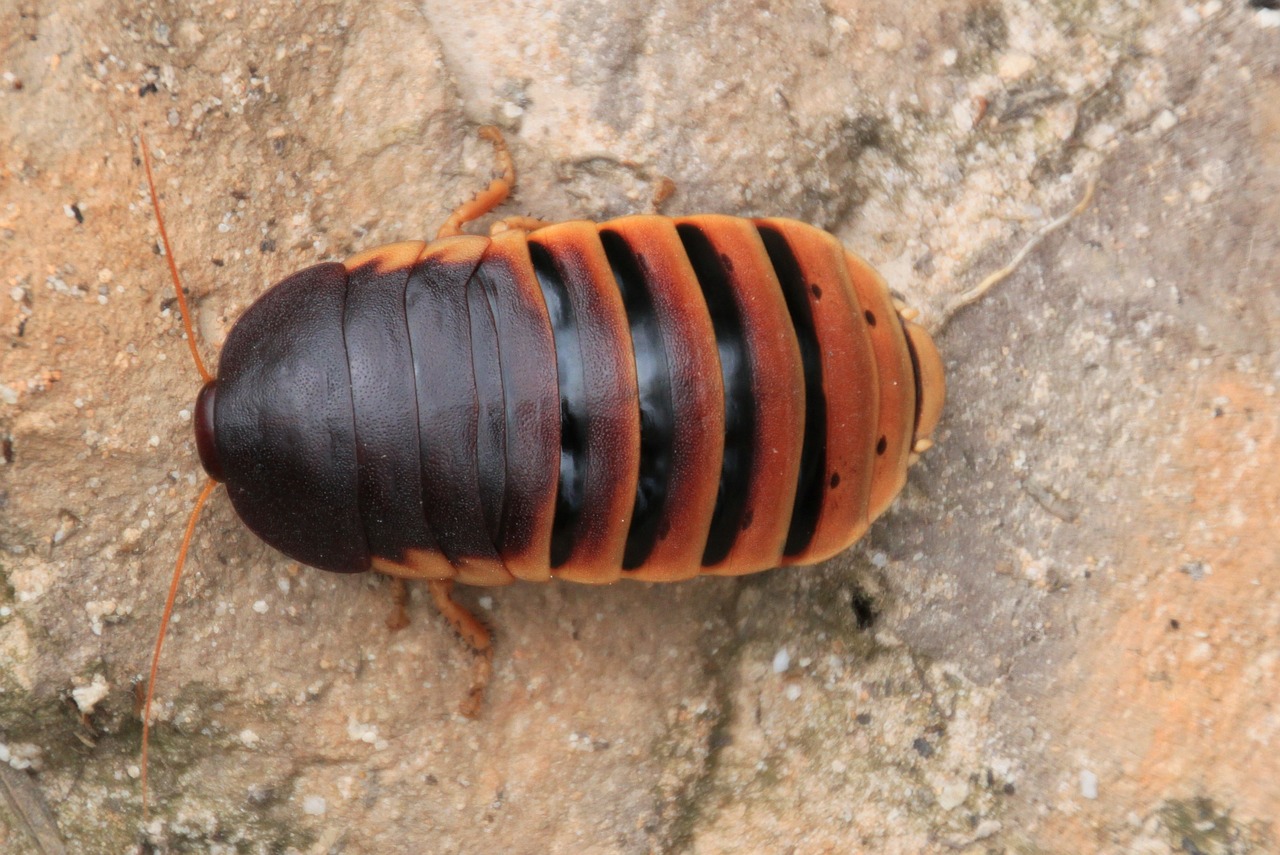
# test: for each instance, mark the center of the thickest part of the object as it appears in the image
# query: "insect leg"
(507, 224)
(663, 189)
(475, 634)
(399, 617)
(490, 197)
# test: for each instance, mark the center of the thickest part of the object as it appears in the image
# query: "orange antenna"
(173, 265)
(209, 485)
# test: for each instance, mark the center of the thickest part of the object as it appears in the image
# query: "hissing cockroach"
(648, 398)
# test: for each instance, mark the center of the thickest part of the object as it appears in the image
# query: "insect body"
(646, 398)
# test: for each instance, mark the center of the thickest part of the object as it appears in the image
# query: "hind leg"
(399, 617)
(475, 634)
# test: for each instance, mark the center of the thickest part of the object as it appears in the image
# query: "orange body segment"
(897, 384)
(609, 387)
(697, 397)
(776, 393)
(850, 387)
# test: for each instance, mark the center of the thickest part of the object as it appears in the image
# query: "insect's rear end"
(647, 398)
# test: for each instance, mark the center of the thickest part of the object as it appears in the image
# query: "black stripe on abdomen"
(656, 411)
(739, 405)
(813, 455)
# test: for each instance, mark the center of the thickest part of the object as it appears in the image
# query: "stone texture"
(1082, 579)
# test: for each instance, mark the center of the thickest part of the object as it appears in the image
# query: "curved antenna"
(173, 265)
(977, 292)
(209, 485)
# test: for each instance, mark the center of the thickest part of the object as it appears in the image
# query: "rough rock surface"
(1064, 637)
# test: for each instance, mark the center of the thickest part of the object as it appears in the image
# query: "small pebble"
(953, 795)
(87, 697)
(889, 39)
(781, 661)
(1015, 65)
(1164, 122)
(986, 828)
(1088, 784)
(1099, 136)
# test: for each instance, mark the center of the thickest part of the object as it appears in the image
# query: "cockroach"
(648, 398)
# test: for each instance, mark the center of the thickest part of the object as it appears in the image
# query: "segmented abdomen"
(647, 397)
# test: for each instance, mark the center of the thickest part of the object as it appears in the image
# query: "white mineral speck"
(793, 692)
(1014, 65)
(1099, 136)
(358, 731)
(1200, 192)
(260, 607)
(889, 39)
(1088, 784)
(1165, 121)
(1202, 652)
(314, 805)
(953, 795)
(20, 755)
(87, 697)
(248, 738)
(986, 828)
(781, 661)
